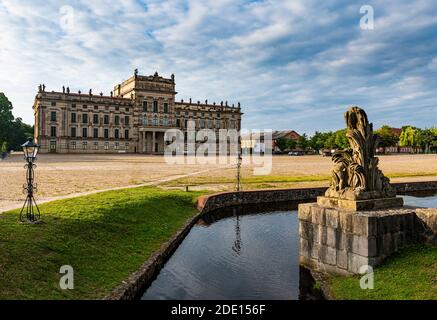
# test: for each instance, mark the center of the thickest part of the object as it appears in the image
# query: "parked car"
(296, 153)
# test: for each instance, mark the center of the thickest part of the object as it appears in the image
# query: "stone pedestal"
(359, 205)
(341, 241)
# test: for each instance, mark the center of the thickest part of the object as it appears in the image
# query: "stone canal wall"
(229, 199)
(134, 286)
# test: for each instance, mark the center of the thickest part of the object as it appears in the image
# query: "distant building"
(288, 134)
(132, 119)
(254, 142)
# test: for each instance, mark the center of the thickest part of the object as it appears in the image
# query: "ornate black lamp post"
(30, 149)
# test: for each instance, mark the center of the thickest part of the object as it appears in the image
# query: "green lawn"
(104, 237)
(410, 274)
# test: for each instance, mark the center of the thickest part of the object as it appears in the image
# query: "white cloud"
(290, 63)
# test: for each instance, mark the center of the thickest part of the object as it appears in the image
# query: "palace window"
(106, 133)
(106, 145)
(96, 107)
(84, 132)
(155, 121)
(73, 132)
(95, 118)
(165, 107)
(85, 106)
(218, 124)
(84, 145)
(73, 145)
(53, 116)
(73, 105)
(117, 146)
(116, 133)
(84, 118)
(127, 145)
(53, 131)
(53, 104)
(117, 120)
(106, 119)
(144, 106)
(145, 120)
(210, 124)
(95, 133)
(126, 120)
(73, 117)
(155, 106)
(178, 122)
(117, 108)
(96, 145)
(126, 134)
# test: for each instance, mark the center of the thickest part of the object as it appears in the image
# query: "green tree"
(318, 140)
(284, 143)
(302, 143)
(428, 139)
(6, 119)
(13, 132)
(387, 137)
(410, 137)
(341, 140)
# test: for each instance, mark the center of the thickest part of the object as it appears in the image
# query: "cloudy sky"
(293, 64)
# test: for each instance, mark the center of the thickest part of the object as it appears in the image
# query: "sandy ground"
(66, 175)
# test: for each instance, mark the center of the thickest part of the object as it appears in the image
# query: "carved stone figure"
(355, 175)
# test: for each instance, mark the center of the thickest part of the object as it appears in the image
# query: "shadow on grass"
(104, 237)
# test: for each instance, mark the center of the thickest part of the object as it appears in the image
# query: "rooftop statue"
(355, 175)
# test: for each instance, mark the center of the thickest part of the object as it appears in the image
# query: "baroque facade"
(132, 119)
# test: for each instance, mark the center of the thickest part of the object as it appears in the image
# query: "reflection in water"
(237, 243)
(211, 262)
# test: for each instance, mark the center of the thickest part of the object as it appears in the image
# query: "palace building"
(132, 119)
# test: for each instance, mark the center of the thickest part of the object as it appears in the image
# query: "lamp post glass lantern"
(28, 212)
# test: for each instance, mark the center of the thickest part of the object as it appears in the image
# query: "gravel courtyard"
(63, 175)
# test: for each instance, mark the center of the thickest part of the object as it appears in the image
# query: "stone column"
(153, 142)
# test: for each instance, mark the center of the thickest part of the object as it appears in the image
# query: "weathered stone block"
(323, 235)
(304, 211)
(355, 262)
(318, 215)
(306, 230)
(332, 217)
(345, 222)
(328, 255)
(342, 259)
(331, 238)
(304, 247)
(341, 239)
(315, 251)
(317, 231)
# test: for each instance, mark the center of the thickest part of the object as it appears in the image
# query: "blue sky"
(292, 64)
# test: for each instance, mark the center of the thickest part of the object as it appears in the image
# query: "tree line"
(410, 136)
(13, 131)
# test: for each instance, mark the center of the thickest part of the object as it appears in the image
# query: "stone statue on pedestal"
(355, 175)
